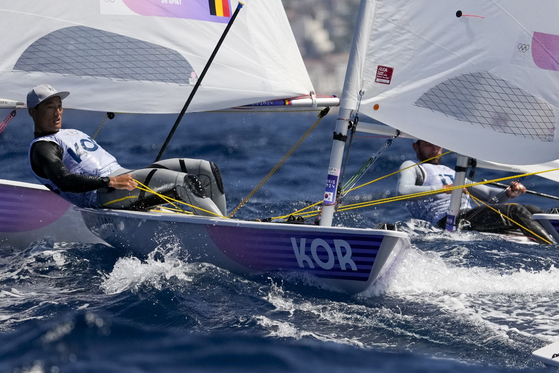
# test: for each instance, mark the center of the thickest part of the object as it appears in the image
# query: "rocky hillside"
(323, 29)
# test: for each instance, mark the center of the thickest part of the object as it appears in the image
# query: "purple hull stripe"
(327, 255)
(26, 209)
(555, 224)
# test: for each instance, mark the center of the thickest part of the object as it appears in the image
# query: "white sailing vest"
(83, 156)
(435, 207)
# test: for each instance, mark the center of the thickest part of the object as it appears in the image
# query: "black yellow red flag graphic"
(220, 8)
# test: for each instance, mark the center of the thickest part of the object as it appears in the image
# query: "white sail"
(477, 77)
(144, 56)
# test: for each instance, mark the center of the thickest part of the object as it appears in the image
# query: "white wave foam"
(321, 320)
(424, 231)
(132, 273)
(492, 301)
(283, 329)
(416, 271)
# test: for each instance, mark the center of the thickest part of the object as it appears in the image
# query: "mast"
(348, 103)
(456, 195)
(199, 81)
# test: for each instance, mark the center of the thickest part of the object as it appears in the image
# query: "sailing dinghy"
(146, 56)
(477, 77)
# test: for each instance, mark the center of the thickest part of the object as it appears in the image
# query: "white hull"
(550, 222)
(514, 236)
(347, 259)
(547, 354)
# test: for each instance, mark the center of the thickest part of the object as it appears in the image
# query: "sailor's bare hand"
(446, 186)
(123, 182)
(515, 189)
(451, 186)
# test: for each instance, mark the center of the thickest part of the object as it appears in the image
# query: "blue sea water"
(452, 302)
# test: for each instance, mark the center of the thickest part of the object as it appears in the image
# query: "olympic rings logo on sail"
(523, 48)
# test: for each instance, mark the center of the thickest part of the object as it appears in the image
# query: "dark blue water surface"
(451, 303)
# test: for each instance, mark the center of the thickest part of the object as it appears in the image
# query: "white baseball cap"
(41, 93)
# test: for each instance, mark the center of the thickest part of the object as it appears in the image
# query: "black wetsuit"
(481, 218)
(46, 161)
(166, 178)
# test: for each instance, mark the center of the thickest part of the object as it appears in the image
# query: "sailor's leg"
(528, 226)
(207, 172)
(533, 209)
(484, 219)
(138, 199)
(167, 183)
(191, 192)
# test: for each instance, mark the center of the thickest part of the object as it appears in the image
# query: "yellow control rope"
(407, 196)
(395, 172)
(314, 213)
(167, 199)
(303, 212)
(321, 115)
(479, 202)
(445, 190)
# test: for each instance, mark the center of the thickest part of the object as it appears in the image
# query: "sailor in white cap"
(73, 165)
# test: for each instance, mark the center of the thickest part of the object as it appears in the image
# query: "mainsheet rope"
(350, 190)
(167, 199)
(407, 196)
(303, 212)
(445, 190)
(321, 115)
(423, 194)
